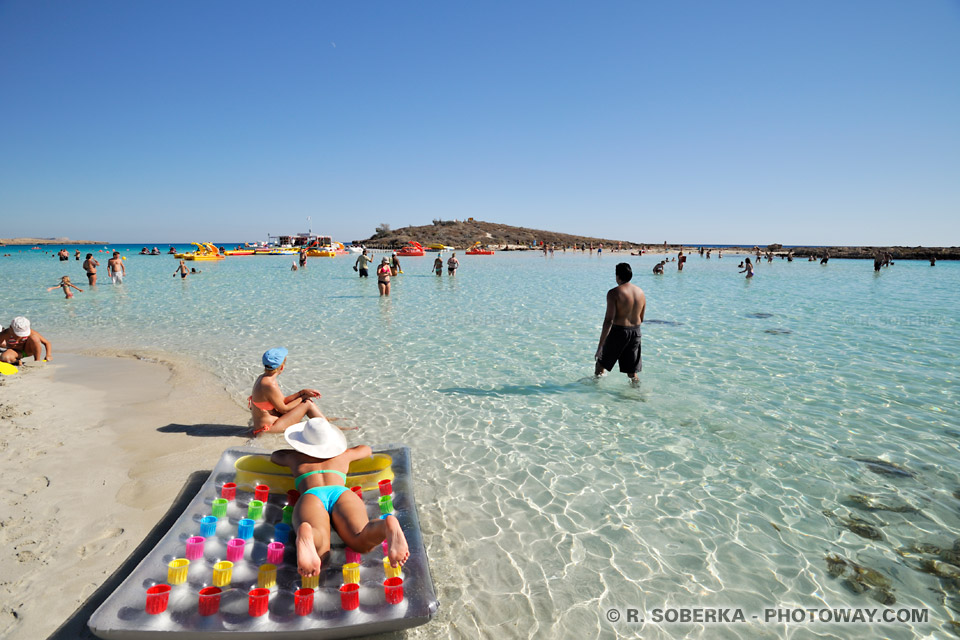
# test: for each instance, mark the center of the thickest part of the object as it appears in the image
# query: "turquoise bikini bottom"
(328, 495)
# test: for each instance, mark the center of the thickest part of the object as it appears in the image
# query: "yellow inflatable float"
(256, 470)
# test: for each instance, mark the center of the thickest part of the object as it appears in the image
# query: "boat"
(413, 250)
(478, 250)
(322, 247)
(246, 249)
(204, 251)
(183, 589)
(439, 247)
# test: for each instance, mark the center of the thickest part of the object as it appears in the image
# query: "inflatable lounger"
(228, 566)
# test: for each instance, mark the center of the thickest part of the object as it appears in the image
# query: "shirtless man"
(620, 336)
(271, 410)
(320, 460)
(17, 342)
(90, 266)
(115, 268)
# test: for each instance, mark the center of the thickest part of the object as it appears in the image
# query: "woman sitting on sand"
(320, 460)
(271, 410)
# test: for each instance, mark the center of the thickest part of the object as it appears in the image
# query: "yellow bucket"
(256, 469)
(222, 573)
(267, 576)
(310, 582)
(177, 571)
(391, 572)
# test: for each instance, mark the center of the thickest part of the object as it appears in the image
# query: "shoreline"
(126, 426)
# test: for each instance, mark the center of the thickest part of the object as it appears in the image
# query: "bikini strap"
(296, 482)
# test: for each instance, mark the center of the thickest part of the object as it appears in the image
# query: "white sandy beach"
(94, 450)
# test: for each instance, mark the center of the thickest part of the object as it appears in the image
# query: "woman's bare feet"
(308, 562)
(398, 552)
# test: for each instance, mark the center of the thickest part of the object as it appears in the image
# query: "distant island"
(462, 234)
(25, 241)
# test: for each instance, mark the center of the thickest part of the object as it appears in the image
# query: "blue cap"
(273, 358)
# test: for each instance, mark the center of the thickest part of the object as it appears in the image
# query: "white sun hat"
(20, 326)
(317, 438)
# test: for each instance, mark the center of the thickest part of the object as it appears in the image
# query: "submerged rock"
(884, 468)
(760, 315)
(940, 569)
(862, 529)
(836, 566)
(873, 504)
(922, 547)
(872, 577)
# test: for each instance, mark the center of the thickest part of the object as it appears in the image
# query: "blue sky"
(817, 122)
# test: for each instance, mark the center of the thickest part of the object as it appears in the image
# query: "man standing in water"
(620, 336)
(115, 268)
(360, 265)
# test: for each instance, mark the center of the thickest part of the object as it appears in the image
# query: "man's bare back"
(620, 336)
(629, 303)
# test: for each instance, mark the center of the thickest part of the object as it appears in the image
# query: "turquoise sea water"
(548, 498)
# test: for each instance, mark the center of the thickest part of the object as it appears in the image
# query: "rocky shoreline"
(462, 234)
(17, 242)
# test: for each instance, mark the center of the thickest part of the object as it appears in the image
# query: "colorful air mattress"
(261, 595)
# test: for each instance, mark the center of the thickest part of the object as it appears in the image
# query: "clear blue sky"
(812, 121)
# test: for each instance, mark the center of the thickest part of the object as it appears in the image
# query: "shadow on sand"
(208, 430)
(75, 627)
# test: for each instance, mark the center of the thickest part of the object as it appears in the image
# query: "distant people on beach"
(825, 258)
(116, 269)
(383, 278)
(933, 262)
(680, 260)
(303, 257)
(877, 261)
(90, 267)
(452, 264)
(18, 341)
(66, 285)
(64, 255)
(360, 265)
(182, 270)
(620, 335)
(748, 268)
(319, 462)
(395, 265)
(76, 255)
(269, 408)
(438, 266)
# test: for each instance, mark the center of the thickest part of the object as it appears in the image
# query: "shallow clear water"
(548, 498)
